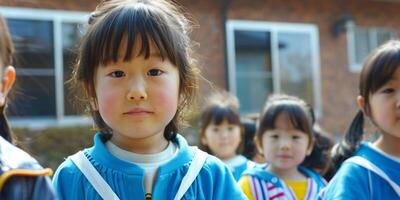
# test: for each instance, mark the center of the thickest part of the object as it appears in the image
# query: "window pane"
(33, 41)
(34, 92)
(253, 69)
(362, 44)
(295, 62)
(383, 36)
(71, 34)
(33, 96)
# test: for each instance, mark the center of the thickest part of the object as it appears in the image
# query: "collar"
(102, 156)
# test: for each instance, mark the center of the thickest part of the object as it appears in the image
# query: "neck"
(388, 144)
(148, 145)
(287, 174)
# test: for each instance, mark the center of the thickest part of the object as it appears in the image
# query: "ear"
(93, 104)
(259, 146)
(203, 141)
(361, 104)
(310, 148)
(7, 81)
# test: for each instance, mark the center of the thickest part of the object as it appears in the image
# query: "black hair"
(378, 69)
(249, 132)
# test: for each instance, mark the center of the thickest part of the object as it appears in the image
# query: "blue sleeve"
(350, 182)
(224, 184)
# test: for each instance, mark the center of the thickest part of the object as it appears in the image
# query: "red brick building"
(310, 48)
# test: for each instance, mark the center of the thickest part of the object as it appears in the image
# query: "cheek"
(166, 96)
(106, 100)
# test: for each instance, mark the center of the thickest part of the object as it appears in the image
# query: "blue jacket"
(237, 171)
(214, 181)
(355, 182)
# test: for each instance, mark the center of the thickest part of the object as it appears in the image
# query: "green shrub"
(51, 146)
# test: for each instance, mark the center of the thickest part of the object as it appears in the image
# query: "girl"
(373, 170)
(21, 176)
(221, 132)
(285, 137)
(135, 68)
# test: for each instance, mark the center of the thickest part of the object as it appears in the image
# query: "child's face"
(222, 139)
(138, 98)
(385, 107)
(284, 147)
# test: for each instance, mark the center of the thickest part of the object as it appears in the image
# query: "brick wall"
(339, 85)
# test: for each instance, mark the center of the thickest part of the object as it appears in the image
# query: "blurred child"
(372, 170)
(21, 176)
(320, 157)
(221, 132)
(286, 138)
(249, 145)
(136, 69)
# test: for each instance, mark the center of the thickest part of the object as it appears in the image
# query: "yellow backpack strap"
(24, 172)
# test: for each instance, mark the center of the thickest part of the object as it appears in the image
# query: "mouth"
(284, 156)
(138, 111)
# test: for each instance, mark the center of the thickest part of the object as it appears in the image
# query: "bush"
(51, 146)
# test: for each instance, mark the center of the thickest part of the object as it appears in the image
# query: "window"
(45, 43)
(361, 41)
(266, 58)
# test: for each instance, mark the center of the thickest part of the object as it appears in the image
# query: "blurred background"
(313, 49)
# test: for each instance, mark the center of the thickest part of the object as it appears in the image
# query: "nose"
(224, 133)
(398, 100)
(137, 91)
(284, 144)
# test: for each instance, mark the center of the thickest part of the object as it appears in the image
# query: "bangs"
(382, 68)
(295, 114)
(128, 27)
(220, 114)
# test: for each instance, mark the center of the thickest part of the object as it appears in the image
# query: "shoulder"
(66, 171)
(220, 179)
(12, 157)
(350, 182)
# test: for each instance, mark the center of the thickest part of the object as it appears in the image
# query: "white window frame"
(273, 28)
(355, 66)
(57, 17)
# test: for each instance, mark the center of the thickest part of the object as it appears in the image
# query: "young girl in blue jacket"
(286, 139)
(372, 170)
(221, 132)
(137, 74)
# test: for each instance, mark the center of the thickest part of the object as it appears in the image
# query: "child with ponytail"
(371, 170)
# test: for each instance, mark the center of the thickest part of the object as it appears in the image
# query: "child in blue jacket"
(137, 74)
(371, 170)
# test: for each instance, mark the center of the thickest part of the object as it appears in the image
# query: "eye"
(296, 137)
(117, 74)
(388, 90)
(215, 129)
(154, 72)
(274, 136)
(230, 128)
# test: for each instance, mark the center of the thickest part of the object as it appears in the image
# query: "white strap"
(197, 163)
(368, 165)
(93, 176)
